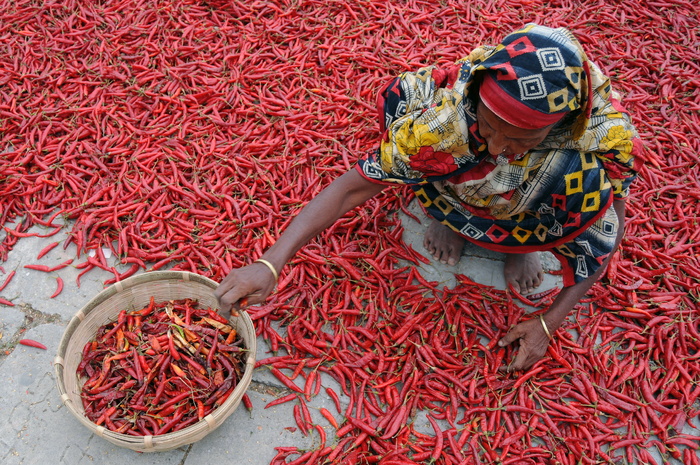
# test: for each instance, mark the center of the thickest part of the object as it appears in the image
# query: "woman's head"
(504, 138)
(532, 80)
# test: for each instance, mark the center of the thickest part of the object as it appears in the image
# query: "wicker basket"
(132, 294)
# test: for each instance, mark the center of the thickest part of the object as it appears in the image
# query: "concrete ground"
(35, 427)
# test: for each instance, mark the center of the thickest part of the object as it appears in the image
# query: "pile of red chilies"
(159, 369)
(188, 134)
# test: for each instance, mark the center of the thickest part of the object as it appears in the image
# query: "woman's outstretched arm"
(256, 282)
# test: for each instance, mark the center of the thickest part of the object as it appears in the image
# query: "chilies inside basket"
(160, 368)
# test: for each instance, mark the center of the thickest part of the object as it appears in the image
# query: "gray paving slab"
(10, 323)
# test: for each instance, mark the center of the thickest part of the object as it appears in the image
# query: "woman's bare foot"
(524, 272)
(443, 244)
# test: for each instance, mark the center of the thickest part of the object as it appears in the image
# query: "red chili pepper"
(282, 400)
(329, 416)
(46, 249)
(7, 280)
(59, 287)
(247, 402)
(32, 343)
(286, 381)
(215, 316)
(263, 190)
(43, 268)
(174, 353)
(301, 423)
(334, 396)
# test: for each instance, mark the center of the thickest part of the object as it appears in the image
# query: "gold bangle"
(544, 326)
(269, 265)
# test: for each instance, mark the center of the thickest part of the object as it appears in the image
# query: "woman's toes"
(443, 244)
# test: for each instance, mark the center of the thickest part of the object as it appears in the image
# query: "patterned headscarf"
(535, 77)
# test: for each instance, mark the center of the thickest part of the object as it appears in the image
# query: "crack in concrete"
(187, 452)
(32, 318)
(269, 389)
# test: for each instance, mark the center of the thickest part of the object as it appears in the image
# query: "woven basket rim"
(172, 440)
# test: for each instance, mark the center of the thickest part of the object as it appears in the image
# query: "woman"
(519, 148)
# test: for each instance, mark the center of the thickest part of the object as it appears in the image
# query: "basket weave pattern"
(133, 294)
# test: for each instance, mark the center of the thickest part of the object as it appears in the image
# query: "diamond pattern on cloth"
(471, 231)
(559, 100)
(520, 46)
(591, 202)
(581, 267)
(532, 87)
(550, 59)
(585, 254)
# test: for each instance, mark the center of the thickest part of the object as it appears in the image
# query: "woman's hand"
(533, 343)
(249, 285)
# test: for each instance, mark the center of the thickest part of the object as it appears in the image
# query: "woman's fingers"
(533, 343)
(228, 299)
(523, 360)
(511, 336)
(245, 286)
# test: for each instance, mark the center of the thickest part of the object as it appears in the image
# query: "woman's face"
(503, 138)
